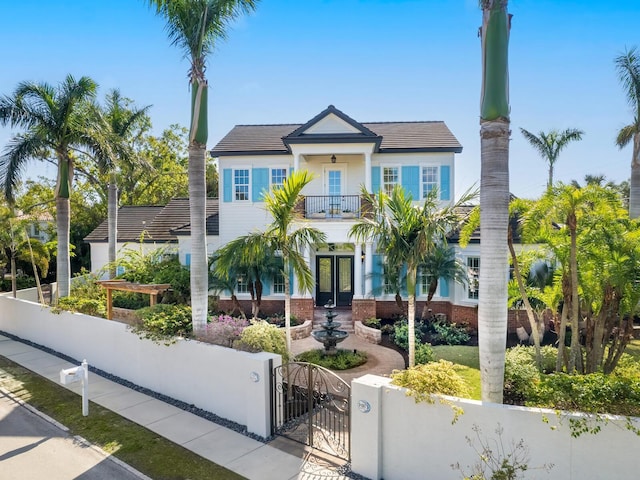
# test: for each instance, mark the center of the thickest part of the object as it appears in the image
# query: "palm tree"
(628, 66)
(494, 197)
(549, 145)
(248, 256)
(441, 264)
(407, 234)
(121, 123)
(288, 235)
(117, 127)
(56, 123)
(195, 26)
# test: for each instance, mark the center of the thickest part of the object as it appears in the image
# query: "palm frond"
(20, 149)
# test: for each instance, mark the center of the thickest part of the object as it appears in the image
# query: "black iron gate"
(310, 405)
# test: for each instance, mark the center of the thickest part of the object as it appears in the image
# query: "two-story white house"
(342, 155)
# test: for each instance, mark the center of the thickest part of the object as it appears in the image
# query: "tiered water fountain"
(330, 336)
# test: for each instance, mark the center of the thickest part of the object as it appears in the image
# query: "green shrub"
(424, 353)
(161, 322)
(262, 336)
(448, 333)
(592, 393)
(372, 322)
(86, 286)
(401, 335)
(387, 328)
(422, 381)
(130, 300)
(342, 360)
(88, 306)
(279, 320)
(22, 282)
(520, 375)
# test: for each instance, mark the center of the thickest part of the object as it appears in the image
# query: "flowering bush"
(224, 330)
(262, 336)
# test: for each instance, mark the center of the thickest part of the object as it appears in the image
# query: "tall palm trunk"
(634, 191)
(287, 306)
(198, 135)
(199, 266)
(411, 313)
(494, 199)
(63, 263)
(63, 223)
(112, 220)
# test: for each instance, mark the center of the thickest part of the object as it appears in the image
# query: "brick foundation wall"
(302, 308)
(267, 307)
(361, 309)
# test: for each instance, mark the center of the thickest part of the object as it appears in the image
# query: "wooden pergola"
(122, 285)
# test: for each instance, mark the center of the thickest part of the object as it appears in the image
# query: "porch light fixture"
(333, 159)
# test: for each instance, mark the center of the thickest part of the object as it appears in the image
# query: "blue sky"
(376, 60)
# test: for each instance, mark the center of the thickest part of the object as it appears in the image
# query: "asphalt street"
(33, 448)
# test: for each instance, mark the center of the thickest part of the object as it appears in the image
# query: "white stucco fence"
(394, 438)
(229, 383)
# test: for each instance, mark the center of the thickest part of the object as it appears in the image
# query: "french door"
(334, 280)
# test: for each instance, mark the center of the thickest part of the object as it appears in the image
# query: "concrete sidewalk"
(245, 456)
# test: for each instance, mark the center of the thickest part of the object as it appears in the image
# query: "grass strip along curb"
(144, 450)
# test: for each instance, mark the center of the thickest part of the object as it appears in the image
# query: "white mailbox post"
(78, 374)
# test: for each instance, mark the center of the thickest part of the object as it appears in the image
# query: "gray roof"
(427, 136)
(161, 223)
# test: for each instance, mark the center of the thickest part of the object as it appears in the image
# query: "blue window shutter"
(376, 274)
(411, 181)
(260, 183)
(445, 182)
(227, 185)
(187, 259)
(444, 287)
(266, 286)
(375, 179)
(119, 270)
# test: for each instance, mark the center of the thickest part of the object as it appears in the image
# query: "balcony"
(331, 207)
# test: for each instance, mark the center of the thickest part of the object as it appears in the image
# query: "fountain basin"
(330, 338)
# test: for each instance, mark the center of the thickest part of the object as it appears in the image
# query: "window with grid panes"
(390, 178)
(241, 184)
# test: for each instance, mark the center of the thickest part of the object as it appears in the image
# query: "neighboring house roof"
(389, 137)
(160, 223)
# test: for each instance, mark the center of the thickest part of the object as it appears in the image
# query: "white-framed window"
(423, 282)
(278, 176)
(429, 179)
(390, 178)
(242, 286)
(278, 283)
(241, 184)
(473, 272)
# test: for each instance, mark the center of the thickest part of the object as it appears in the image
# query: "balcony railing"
(332, 206)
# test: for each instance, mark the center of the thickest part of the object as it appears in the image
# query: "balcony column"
(357, 272)
(307, 260)
(367, 171)
(368, 270)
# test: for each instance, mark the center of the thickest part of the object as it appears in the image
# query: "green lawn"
(633, 349)
(141, 448)
(468, 358)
